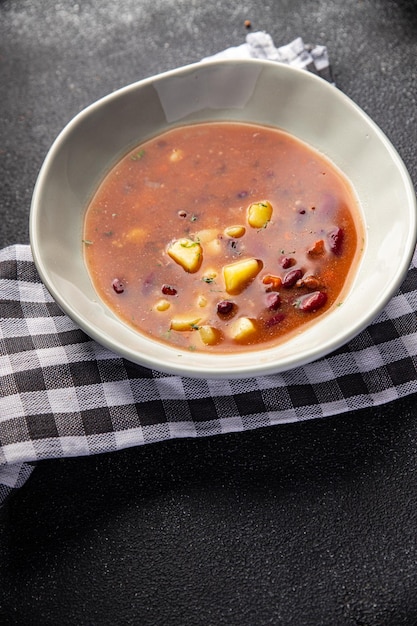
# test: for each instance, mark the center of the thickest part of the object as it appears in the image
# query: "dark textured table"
(303, 524)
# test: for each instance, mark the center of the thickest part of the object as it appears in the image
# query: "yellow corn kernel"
(235, 231)
(259, 214)
(162, 305)
(187, 321)
(187, 253)
(209, 335)
(237, 275)
(242, 328)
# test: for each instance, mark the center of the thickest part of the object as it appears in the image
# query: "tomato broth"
(222, 237)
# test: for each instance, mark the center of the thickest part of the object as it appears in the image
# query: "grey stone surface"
(310, 524)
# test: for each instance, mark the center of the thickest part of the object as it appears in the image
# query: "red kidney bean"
(291, 278)
(328, 205)
(335, 239)
(224, 307)
(274, 320)
(312, 301)
(118, 286)
(273, 301)
(311, 282)
(148, 284)
(167, 290)
(287, 262)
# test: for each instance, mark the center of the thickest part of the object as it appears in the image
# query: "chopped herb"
(192, 348)
(208, 279)
(108, 233)
(195, 326)
(193, 218)
(139, 155)
(87, 242)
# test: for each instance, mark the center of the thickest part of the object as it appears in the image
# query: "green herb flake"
(208, 279)
(87, 242)
(138, 156)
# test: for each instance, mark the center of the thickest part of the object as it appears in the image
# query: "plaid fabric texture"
(260, 45)
(62, 394)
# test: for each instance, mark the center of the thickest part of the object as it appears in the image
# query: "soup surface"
(222, 237)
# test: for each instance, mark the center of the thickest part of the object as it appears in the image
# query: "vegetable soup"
(222, 237)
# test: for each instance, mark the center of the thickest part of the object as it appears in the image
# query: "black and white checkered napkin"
(62, 394)
(259, 45)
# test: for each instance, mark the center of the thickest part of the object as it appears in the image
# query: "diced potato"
(209, 275)
(186, 321)
(162, 305)
(205, 235)
(202, 301)
(187, 253)
(209, 335)
(136, 235)
(235, 231)
(237, 275)
(213, 247)
(176, 155)
(242, 328)
(259, 214)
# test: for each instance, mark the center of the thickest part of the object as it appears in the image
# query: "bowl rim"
(181, 367)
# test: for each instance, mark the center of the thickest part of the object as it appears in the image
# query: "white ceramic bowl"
(248, 90)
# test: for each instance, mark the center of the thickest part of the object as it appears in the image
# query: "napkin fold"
(62, 394)
(260, 45)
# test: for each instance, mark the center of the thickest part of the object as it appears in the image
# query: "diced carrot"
(274, 282)
(317, 249)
